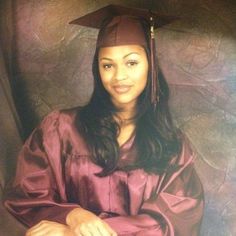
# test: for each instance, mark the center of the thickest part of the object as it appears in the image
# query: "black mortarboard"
(121, 25)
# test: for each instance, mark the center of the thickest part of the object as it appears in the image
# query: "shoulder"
(58, 123)
(58, 118)
(61, 126)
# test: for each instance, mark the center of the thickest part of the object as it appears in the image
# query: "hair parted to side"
(156, 138)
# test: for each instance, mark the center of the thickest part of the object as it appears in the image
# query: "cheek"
(105, 79)
(143, 77)
(142, 85)
(102, 75)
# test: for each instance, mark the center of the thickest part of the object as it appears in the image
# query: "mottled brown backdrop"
(51, 68)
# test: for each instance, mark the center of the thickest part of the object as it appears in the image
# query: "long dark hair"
(156, 138)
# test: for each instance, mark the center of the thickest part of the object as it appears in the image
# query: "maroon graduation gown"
(55, 175)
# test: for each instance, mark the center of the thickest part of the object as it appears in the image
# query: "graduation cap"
(121, 25)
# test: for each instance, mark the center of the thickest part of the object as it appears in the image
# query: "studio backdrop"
(45, 64)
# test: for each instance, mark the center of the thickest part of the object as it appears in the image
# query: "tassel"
(154, 96)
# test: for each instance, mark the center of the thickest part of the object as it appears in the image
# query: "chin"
(125, 103)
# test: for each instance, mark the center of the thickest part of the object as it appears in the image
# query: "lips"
(122, 88)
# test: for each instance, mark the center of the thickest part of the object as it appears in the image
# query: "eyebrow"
(109, 59)
(130, 54)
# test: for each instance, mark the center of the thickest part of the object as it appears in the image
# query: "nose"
(121, 73)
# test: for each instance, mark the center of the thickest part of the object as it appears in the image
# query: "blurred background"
(45, 64)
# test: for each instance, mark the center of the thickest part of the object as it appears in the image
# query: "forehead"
(121, 51)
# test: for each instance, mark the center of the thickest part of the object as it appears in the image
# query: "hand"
(85, 223)
(49, 228)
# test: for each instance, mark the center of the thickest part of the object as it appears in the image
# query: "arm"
(38, 191)
(176, 210)
(38, 196)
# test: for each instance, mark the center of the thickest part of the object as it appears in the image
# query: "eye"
(107, 66)
(132, 63)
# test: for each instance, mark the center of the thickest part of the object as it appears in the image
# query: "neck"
(126, 112)
(126, 121)
(127, 125)
(125, 117)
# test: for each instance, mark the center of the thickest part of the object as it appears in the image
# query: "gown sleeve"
(175, 209)
(38, 191)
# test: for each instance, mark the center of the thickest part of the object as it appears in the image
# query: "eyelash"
(132, 63)
(107, 66)
(129, 64)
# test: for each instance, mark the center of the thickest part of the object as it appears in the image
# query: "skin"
(124, 72)
(49, 228)
(86, 223)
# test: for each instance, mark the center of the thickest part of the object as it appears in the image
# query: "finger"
(57, 229)
(53, 232)
(33, 228)
(94, 230)
(76, 232)
(84, 230)
(38, 232)
(103, 229)
(37, 229)
(46, 228)
(71, 232)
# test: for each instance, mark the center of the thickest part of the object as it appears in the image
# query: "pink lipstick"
(122, 88)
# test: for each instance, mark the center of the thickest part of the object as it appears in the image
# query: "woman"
(116, 166)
